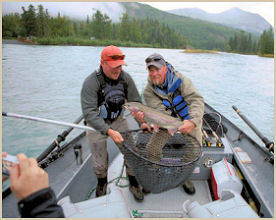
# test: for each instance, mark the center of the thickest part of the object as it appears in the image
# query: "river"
(45, 81)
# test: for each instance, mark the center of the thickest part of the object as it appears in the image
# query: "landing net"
(159, 161)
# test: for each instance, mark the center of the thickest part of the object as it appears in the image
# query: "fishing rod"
(213, 132)
(48, 121)
(61, 137)
(268, 144)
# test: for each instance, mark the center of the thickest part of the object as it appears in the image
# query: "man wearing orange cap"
(102, 96)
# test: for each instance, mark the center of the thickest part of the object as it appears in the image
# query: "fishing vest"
(111, 97)
(178, 105)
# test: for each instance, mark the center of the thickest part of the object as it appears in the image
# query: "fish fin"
(155, 128)
(172, 131)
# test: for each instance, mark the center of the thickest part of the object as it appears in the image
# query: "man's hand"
(187, 127)
(4, 154)
(139, 116)
(27, 177)
(115, 135)
(146, 126)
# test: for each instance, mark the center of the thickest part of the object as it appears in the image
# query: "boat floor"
(166, 204)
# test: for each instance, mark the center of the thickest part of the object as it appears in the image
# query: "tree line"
(243, 43)
(99, 27)
(39, 23)
(266, 42)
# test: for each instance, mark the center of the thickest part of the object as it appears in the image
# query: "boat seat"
(230, 205)
(111, 205)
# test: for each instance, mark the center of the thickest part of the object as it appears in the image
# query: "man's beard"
(156, 82)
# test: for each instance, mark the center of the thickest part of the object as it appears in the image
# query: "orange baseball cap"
(113, 56)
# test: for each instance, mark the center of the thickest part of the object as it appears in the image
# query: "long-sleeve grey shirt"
(89, 100)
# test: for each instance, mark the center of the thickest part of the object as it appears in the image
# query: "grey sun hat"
(155, 60)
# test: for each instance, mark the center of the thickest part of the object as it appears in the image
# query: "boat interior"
(232, 179)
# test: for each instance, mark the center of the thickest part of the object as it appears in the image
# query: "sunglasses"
(148, 60)
(117, 57)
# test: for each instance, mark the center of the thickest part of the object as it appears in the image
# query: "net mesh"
(159, 161)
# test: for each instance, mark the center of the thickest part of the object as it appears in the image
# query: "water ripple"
(45, 81)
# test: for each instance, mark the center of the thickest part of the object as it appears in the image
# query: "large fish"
(154, 117)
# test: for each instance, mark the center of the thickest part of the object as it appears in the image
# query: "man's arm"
(41, 204)
(30, 185)
(89, 104)
(194, 99)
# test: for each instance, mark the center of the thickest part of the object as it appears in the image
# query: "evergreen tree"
(241, 43)
(42, 22)
(11, 25)
(266, 42)
(249, 44)
(125, 28)
(29, 20)
(106, 27)
(101, 26)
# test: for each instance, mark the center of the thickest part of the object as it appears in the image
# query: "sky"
(265, 9)
(82, 9)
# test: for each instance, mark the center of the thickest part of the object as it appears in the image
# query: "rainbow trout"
(154, 117)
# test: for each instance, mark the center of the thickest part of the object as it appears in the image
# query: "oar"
(269, 144)
(47, 121)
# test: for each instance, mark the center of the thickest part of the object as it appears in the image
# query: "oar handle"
(268, 144)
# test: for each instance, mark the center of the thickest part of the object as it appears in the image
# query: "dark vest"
(111, 95)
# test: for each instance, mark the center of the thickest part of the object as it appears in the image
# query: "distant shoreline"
(13, 41)
(6, 41)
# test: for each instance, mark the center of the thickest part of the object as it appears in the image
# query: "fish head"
(131, 106)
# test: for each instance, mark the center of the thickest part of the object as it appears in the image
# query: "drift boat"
(233, 177)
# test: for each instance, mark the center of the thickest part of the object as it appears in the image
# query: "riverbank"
(72, 41)
(215, 52)
(68, 41)
(266, 55)
(200, 51)
(260, 55)
(12, 41)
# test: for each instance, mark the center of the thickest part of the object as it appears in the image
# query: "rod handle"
(235, 108)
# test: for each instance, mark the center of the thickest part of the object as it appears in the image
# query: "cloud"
(78, 10)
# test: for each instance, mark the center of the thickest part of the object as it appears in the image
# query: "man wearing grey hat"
(174, 94)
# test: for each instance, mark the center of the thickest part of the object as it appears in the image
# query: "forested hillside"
(198, 33)
(235, 18)
(98, 29)
(141, 26)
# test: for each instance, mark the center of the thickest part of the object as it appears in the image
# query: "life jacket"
(111, 97)
(178, 105)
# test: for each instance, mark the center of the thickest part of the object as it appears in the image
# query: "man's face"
(157, 76)
(112, 73)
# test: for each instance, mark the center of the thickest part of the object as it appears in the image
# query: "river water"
(45, 81)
